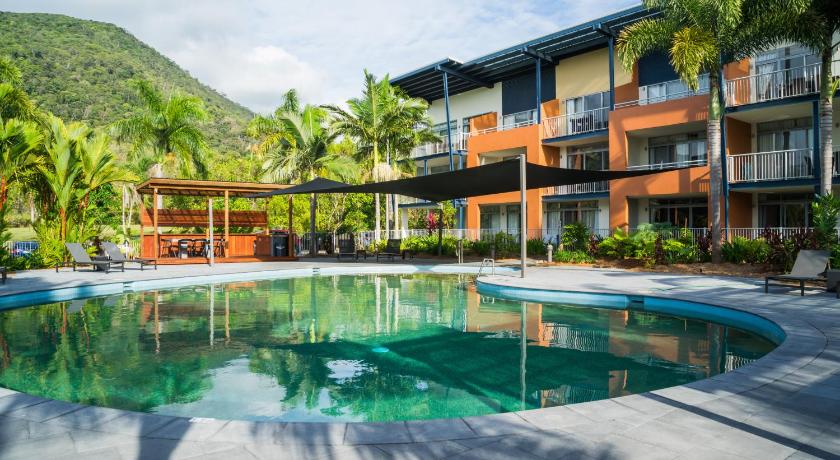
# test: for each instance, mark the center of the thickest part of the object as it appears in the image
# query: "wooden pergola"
(231, 247)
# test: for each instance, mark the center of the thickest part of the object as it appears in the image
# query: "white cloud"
(254, 51)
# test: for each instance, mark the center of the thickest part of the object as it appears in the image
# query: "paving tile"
(553, 417)
(498, 424)
(422, 451)
(18, 401)
(376, 433)
(156, 449)
(495, 451)
(134, 423)
(437, 430)
(553, 445)
(194, 429)
(87, 417)
(250, 432)
(604, 410)
(110, 453)
(235, 453)
(44, 411)
(37, 448)
(313, 433)
(619, 446)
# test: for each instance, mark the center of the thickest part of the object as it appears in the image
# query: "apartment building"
(563, 100)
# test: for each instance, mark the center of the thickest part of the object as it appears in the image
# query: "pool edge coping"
(769, 369)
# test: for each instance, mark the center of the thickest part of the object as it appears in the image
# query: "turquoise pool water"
(351, 348)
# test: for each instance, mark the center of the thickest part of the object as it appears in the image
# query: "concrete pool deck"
(785, 405)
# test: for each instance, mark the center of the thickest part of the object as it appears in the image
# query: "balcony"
(773, 86)
(770, 166)
(572, 124)
(667, 91)
(675, 164)
(511, 121)
(459, 143)
(578, 189)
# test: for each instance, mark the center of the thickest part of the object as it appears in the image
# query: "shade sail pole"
(523, 220)
(210, 227)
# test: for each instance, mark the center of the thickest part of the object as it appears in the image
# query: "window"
(519, 119)
(784, 72)
(774, 136)
(784, 210)
(589, 102)
(669, 90)
(490, 218)
(583, 114)
(680, 148)
(680, 212)
(593, 157)
(440, 128)
(558, 215)
(512, 218)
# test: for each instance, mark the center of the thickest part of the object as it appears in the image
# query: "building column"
(611, 45)
(539, 89)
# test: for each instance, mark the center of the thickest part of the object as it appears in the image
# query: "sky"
(253, 51)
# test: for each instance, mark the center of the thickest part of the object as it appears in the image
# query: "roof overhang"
(186, 187)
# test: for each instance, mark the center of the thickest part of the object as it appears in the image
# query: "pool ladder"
(485, 263)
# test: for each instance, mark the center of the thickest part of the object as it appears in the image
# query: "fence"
(576, 123)
(19, 249)
(771, 86)
(779, 165)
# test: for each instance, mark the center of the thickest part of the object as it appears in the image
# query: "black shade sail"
(490, 179)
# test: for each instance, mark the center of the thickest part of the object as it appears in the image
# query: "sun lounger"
(81, 257)
(114, 253)
(392, 249)
(347, 248)
(810, 265)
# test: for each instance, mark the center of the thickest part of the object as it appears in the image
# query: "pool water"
(351, 348)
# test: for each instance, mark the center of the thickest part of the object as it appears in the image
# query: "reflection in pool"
(353, 348)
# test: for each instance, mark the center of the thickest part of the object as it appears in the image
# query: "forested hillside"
(80, 70)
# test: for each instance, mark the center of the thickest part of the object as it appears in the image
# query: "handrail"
(487, 262)
(675, 164)
(779, 84)
(576, 123)
(774, 165)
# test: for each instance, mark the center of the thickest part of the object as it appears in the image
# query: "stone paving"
(785, 405)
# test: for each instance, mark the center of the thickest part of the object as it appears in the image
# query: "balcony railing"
(771, 86)
(511, 121)
(765, 166)
(667, 91)
(588, 187)
(835, 164)
(459, 143)
(576, 123)
(674, 164)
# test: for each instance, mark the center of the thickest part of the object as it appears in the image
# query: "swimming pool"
(353, 348)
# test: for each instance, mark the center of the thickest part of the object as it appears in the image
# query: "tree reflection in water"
(368, 347)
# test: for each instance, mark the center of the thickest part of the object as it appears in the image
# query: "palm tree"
(14, 102)
(99, 167)
(18, 141)
(698, 35)
(296, 144)
(381, 121)
(61, 168)
(816, 28)
(167, 129)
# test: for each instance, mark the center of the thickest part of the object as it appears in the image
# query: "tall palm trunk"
(313, 243)
(715, 173)
(827, 89)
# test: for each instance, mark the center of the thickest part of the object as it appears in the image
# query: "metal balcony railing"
(667, 91)
(771, 86)
(576, 123)
(675, 164)
(766, 166)
(588, 187)
(511, 121)
(459, 143)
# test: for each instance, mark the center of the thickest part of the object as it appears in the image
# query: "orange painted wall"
(738, 136)
(527, 137)
(740, 210)
(630, 91)
(630, 119)
(486, 121)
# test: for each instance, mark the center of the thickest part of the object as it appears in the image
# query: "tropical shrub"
(573, 257)
(575, 237)
(743, 250)
(535, 247)
(783, 250)
(826, 209)
(428, 244)
(617, 246)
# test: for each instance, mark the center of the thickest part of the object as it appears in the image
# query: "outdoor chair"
(347, 248)
(810, 265)
(3, 274)
(115, 255)
(81, 257)
(392, 249)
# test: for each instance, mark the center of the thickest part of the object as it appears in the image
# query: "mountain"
(80, 69)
